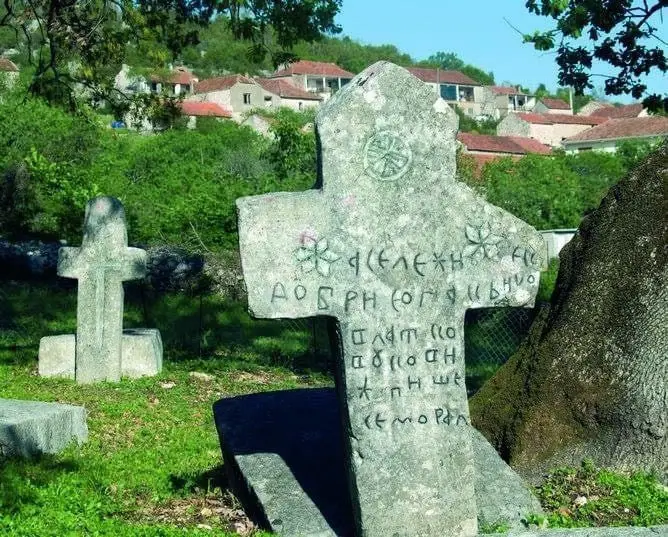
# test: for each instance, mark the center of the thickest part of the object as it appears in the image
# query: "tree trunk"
(591, 381)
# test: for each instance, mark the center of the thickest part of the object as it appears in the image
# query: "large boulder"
(591, 381)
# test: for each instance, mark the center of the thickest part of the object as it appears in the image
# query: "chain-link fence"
(492, 335)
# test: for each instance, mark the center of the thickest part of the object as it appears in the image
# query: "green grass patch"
(587, 496)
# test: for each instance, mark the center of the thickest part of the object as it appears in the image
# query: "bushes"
(42, 168)
(551, 192)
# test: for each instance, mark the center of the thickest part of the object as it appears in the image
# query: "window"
(448, 92)
(466, 93)
(247, 98)
(300, 105)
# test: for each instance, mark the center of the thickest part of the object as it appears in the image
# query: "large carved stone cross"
(396, 250)
(102, 263)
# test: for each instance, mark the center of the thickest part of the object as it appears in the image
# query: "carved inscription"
(408, 366)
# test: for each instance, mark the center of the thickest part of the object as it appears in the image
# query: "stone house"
(179, 81)
(280, 92)
(606, 136)
(195, 109)
(9, 72)
(237, 93)
(609, 111)
(501, 146)
(322, 79)
(454, 87)
(498, 101)
(548, 129)
(547, 105)
(484, 148)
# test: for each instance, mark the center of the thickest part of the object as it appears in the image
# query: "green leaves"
(620, 33)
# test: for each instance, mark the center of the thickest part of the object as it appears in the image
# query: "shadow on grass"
(208, 481)
(22, 479)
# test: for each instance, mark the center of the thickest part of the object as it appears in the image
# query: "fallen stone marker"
(30, 428)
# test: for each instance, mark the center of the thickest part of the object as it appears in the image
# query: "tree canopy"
(451, 61)
(621, 33)
(73, 45)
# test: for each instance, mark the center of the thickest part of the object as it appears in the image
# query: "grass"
(152, 465)
(587, 496)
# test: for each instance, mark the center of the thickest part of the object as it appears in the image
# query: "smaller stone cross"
(101, 264)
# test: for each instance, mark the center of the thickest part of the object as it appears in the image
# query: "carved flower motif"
(315, 255)
(482, 243)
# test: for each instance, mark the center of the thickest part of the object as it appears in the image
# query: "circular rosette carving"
(386, 156)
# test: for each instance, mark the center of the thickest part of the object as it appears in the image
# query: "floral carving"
(482, 243)
(315, 255)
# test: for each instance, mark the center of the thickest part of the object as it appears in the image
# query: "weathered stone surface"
(501, 495)
(141, 354)
(57, 356)
(396, 250)
(29, 428)
(590, 381)
(285, 451)
(655, 531)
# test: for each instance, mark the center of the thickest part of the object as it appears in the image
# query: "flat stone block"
(623, 531)
(284, 455)
(29, 428)
(56, 356)
(141, 354)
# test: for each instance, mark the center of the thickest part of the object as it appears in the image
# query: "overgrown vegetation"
(587, 496)
(179, 187)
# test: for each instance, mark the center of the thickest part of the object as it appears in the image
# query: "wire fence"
(492, 335)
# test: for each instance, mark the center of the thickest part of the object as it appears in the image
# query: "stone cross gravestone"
(396, 250)
(101, 350)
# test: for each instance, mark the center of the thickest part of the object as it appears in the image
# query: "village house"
(484, 148)
(549, 129)
(548, 105)
(9, 72)
(454, 87)
(176, 82)
(609, 111)
(498, 101)
(320, 78)
(179, 81)
(607, 136)
(237, 93)
(280, 92)
(194, 109)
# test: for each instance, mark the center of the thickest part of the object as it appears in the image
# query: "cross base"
(284, 455)
(141, 354)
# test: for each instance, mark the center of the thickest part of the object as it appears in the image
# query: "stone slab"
(284, 454)
(623, 531)
(141, 354)
(30, 428)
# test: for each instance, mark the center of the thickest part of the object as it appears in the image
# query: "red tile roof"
(515, 145)
(180, 75)
(618, 112)
(285, 89)
(221, 83)
(555, 104)
(306, 67)
(551, 119)
(8, 66)
(505, 90)
(439, 76)
(614, 129)
(199, 108)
